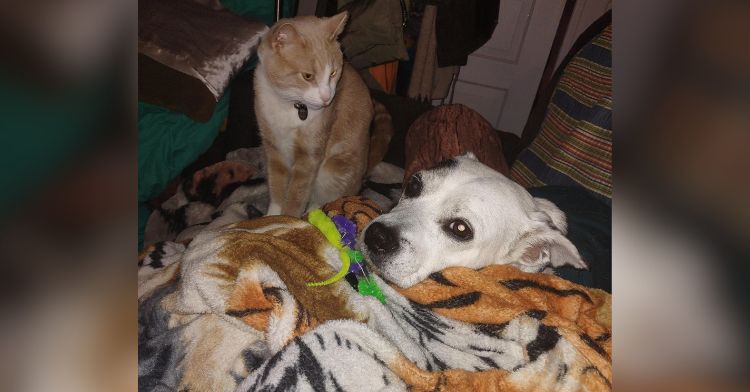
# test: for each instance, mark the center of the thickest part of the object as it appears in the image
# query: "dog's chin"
(379, 265)
(393, 277)
(400, 281)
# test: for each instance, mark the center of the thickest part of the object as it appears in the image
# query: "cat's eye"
(459, 229)
(333, 73)
(307, 76)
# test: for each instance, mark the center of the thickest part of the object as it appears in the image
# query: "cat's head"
(302, 58)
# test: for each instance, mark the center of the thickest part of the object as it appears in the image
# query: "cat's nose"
(380, 238)
(325, 95)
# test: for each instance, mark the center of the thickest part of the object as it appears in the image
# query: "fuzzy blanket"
(235, 190)
(232, 312)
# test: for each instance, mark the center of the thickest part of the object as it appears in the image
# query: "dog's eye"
(459, 229)
(414, 186)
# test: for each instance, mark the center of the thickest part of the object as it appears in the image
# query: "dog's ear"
(545, 244)
(548, 211)
(548, 247)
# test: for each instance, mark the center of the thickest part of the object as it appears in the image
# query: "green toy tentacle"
(365, 286)
(319, 219)
(345, 262)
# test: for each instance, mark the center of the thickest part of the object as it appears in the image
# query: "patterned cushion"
(450, 130)
(574, 146)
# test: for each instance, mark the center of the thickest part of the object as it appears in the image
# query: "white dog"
(463, 213)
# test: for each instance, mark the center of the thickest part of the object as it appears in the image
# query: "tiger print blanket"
(232, 312)
(235, 189)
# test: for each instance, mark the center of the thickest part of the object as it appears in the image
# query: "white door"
(501, 78)
(584, 14)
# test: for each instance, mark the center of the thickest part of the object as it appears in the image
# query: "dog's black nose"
(380, 238)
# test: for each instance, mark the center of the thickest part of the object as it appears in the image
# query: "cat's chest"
(282, 125)
(287, 130)
(283, 117)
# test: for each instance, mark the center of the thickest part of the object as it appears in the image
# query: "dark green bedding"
(262, 10)
(167, 142)
(590, 230)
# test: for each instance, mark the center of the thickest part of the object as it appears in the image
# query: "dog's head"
(463, 213)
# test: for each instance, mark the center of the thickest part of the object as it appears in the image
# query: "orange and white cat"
(314, 113)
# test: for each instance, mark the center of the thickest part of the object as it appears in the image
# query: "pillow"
(574, 144)
(196, 41)
(448, 131)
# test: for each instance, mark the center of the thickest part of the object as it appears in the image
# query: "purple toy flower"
(347, 229)
(356, 268)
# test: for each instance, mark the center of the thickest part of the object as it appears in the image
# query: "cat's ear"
(284, 34)
(336, 24)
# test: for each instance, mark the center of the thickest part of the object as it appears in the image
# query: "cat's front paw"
(273, 209)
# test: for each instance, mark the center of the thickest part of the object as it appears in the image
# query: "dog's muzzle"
(381, 239)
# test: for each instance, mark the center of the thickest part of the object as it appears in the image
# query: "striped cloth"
(574, 146)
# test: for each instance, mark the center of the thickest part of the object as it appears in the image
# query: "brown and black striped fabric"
(233, 312)
(494, 296)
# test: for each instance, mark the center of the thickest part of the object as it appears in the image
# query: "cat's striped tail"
(381, 132)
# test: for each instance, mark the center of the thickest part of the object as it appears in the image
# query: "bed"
(224, 304)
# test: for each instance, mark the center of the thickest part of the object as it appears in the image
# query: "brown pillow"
(194, 43)
(448, 131)
(163, 86)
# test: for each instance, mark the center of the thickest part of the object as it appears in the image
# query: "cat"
(314, 114)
